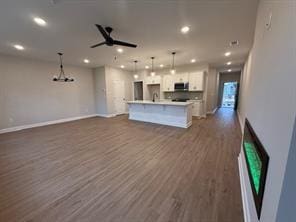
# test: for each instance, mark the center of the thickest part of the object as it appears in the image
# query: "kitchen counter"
(162, 102)
(164, 112)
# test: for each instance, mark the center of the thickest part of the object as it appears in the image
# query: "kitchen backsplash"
(183, 95)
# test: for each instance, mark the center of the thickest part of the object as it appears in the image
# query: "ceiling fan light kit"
(62, 77)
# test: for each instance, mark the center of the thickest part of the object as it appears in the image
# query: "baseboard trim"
(240, 121)
(17, 128)
(106, 115)
(212, 112)
(243, 190)
(189, 124)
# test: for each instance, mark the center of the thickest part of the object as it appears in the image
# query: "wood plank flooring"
(116, 170)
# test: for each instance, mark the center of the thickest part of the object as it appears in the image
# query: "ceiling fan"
(109, 41)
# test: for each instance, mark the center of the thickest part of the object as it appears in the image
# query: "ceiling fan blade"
(117, 42)
(94, 46)
(103, 32)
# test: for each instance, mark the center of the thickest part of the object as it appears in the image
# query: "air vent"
(234, 43)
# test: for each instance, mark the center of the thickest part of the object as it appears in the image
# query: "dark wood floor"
(116, 170)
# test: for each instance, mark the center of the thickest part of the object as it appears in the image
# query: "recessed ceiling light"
(185, 29)
(229, 70)
(146, 67)
(120, 50)
(161, 65)
(40, 21)
(136, 76)
(19, 47)
(122, 66)
(229, 63)
(86, 61)
(193, 60)
(227, 54)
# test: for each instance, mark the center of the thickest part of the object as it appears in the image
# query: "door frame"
(234, 76)
(134, 88)
(124, 99)
(235, 96)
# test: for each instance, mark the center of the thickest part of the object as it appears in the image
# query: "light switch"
(268, 22)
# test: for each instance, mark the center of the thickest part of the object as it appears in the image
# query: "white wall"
(104, 78)
(268, 94)
(212, 95)
(286, 210)
(29, 96)
(114, 74)
(100, 91)
(243, 93)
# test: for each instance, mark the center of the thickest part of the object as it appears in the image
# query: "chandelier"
(62, 77)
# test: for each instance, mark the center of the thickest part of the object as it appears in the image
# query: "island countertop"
(163, 102)
(162, 112)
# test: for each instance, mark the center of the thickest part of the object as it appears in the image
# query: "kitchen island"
(177, 114)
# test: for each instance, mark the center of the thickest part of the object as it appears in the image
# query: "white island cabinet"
(177, 114)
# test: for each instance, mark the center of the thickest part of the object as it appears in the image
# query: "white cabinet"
(183, 77)
(197, 108)
(150, 80)
(196, 81)
(168, 83)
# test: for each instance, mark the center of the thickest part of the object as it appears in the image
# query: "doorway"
(229, 97)
(119, 97)
(138, 90)
(229, 77)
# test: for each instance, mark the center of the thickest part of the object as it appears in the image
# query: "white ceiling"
(152, 24)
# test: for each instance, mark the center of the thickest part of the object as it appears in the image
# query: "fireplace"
(257, 164)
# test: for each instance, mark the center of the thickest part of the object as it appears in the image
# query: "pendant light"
(136, 74)
(173, 70)
(152, 66)
(62, 77)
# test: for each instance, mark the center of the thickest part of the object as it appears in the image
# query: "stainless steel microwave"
(182, 86)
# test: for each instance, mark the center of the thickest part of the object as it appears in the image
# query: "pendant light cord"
(135, 66)
(152, 64)
(173, 53)
(62, 73)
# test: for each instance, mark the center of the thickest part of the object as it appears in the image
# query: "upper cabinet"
(150, 80)
(178, 78)
(168, 83)
(196, 81)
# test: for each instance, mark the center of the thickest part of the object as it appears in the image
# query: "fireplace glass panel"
(257, 163)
